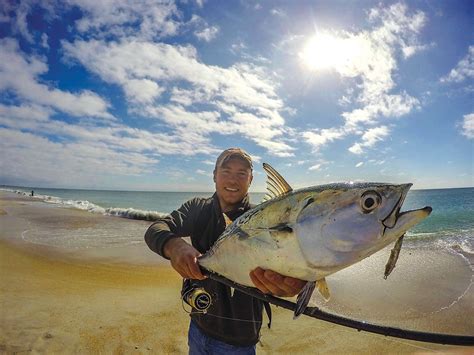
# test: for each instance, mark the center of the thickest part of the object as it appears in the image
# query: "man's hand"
(183, 258)
(269, 281)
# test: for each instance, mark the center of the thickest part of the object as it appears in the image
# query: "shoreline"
(23, 216)
(56, 301)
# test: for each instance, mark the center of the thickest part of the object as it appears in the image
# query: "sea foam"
(85, 205)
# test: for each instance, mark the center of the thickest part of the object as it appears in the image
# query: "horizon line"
(199, 192)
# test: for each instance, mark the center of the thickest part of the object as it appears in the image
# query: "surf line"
(315, 312)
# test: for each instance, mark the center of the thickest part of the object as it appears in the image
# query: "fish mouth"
(425, 210)
(392, 217)
(406, 219)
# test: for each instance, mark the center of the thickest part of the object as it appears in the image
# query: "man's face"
(232, 182)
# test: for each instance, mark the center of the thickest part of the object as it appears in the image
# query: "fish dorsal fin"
(276, 185)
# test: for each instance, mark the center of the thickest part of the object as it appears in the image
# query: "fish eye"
(369, 201)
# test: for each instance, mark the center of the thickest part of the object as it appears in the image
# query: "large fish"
(312, 232)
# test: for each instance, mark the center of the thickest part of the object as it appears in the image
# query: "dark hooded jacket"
(234, 319)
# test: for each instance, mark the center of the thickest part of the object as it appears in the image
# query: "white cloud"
(146, 20)
(202, 30)
(84, 153)
(207, 34)
(256, 159)
(376, 62)
(238, 47)
(319, 165)
(200, 3)
(240, 99)
(44, 41)
(20, 23)
(376, 162)
(468, 126)
(16, 13)
(368, 59)
(203, 172)
(26, 112)
(5, 11)
(19, 73)
(387, 106)
(411, 50)
(187, 122)
(321, 137)
(34, 158)
(120, 18)
(356, 148)
(142, 90)
(463, 70)
(277, 12)
(370, 138)
(39, 121)
(398, 27)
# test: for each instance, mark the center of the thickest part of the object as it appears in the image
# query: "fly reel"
(198, 298)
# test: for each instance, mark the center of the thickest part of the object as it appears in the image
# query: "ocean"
(450, 225)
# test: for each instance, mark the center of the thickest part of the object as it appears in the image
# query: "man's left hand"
(271, 282)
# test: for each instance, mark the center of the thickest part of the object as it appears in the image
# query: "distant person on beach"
(232, 323)
(32, 193)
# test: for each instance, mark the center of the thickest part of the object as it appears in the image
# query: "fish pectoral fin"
(323, 289)
(303, 298)
(282, 227)
(276, 184)
(392, 260)
(241, 234)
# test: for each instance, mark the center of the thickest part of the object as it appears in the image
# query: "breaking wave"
(134, 213)
(85, 205)
(458, 241)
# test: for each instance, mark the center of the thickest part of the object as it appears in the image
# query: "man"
(233, 321)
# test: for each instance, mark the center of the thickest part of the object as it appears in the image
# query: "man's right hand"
(183, 258)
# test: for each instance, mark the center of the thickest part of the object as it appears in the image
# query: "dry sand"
(54, 302)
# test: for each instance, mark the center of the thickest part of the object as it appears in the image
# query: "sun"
(324, 51)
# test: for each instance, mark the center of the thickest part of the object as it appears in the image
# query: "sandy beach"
(126, 299)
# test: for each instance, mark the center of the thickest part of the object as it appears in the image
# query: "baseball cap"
(231, 153)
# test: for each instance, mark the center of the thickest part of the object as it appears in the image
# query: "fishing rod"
(201, 300)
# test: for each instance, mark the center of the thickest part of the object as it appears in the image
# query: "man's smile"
(231, 189)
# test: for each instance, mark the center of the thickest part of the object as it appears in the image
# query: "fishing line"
(317, 313)
(251, 321)
(229, 318)
(205, 313)
(214, 315)
(467, 261)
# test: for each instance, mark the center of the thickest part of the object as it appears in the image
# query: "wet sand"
(66, 301)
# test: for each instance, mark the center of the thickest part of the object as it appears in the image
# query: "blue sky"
(143, 95)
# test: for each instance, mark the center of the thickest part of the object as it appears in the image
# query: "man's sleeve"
(179, 223)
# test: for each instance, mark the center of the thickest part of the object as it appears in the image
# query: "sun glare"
(324, 51)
